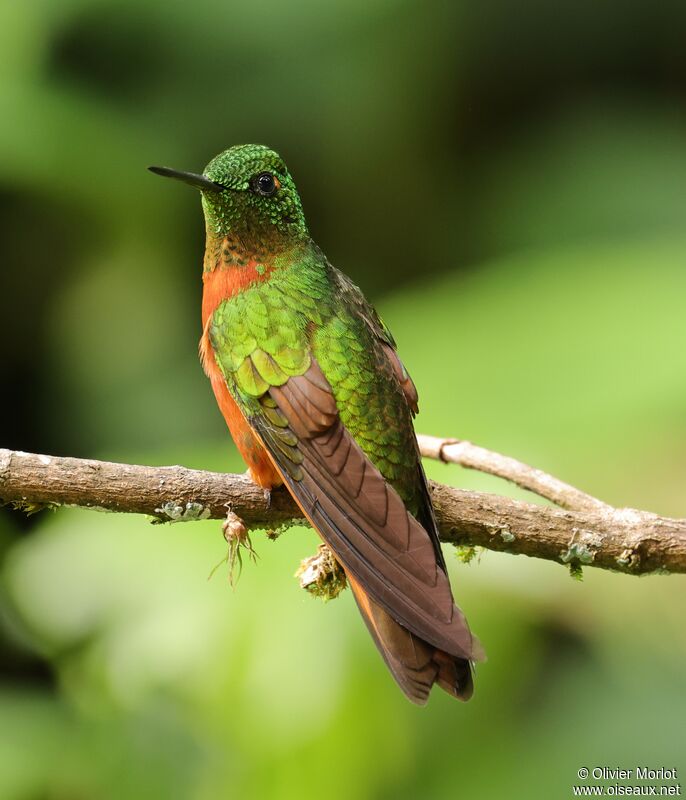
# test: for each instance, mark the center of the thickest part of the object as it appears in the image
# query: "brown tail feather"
(415, 664)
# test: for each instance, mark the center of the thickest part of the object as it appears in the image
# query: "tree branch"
(625, 540)
(471, 456)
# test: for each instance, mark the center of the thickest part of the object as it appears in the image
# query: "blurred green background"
(507, 182)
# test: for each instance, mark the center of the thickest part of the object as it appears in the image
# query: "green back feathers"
(260, 336)
(273, 329)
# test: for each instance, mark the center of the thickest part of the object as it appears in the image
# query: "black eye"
(265, 184)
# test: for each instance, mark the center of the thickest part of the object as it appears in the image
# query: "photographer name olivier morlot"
(640, 773)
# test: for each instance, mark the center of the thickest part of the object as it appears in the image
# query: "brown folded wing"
(358, 513)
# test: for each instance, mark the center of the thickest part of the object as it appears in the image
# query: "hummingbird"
(308, 379)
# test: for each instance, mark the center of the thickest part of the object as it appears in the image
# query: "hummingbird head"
(249, 195)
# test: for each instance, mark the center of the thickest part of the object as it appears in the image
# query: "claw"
(268, 498)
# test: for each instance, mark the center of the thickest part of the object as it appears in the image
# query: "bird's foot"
(238, 538)
(267, 497)
(321, 575)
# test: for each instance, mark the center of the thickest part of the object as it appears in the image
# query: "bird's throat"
(229, 267)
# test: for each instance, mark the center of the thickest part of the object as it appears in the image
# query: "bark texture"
(585, 532)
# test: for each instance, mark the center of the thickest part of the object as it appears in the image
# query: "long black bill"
(198, 181)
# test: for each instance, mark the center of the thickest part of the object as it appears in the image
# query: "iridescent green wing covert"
(354, 299)
(317, 387)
